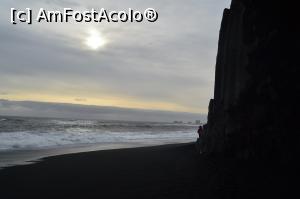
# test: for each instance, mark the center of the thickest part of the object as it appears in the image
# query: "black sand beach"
(168, 171)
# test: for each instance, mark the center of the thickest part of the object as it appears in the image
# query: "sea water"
(28, 139)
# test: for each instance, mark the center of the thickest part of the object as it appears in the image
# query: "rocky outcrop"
(253, 113)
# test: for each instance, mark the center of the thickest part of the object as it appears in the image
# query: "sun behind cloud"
(95, 40)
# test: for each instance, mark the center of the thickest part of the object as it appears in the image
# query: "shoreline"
(165, 171)
(12, 158)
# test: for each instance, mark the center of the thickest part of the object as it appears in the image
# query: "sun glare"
(95, 40)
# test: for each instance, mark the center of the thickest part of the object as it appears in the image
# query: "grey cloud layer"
(170, 61)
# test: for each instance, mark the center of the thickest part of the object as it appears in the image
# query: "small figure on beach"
(200, 131)
(199, 143)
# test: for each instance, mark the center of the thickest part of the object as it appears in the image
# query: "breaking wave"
(37, 140)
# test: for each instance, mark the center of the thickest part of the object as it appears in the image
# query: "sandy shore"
(168, 171)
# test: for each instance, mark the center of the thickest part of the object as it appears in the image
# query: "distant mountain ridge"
(64, 110)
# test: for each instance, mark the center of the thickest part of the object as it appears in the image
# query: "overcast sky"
(165, 65)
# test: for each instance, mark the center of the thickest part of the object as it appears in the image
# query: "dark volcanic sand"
(169, 171)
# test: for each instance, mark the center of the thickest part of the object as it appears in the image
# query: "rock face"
(253, 113)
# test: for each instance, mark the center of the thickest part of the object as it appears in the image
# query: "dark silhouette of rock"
(254, 102)
(253, 116)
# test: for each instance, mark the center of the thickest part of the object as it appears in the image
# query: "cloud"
(3, 93)
(80, 100)
(170, 61)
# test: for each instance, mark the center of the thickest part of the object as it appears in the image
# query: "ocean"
(25, 140)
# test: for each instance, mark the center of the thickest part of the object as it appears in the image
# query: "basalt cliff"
(253, 113)
(252, 131)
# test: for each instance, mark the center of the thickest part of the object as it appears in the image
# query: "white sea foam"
(78, 136)
(73, 122)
